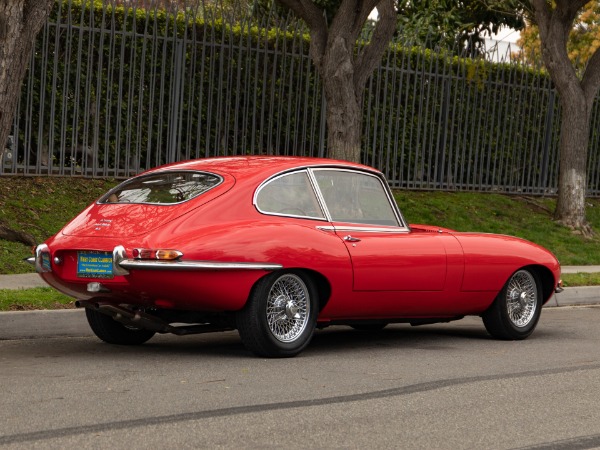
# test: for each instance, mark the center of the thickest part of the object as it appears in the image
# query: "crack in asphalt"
(571, 444)
(576, 443)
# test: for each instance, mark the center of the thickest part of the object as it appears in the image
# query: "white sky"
(507, 34)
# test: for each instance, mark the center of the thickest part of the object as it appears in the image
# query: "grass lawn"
(41, 206)
(36, 298)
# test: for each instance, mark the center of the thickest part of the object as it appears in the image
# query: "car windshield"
(162, 188)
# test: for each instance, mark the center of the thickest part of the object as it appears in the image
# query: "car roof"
(242, 167)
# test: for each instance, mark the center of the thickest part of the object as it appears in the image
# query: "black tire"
(516, 311)
(279, 318)
(369, 327)
(113, 332)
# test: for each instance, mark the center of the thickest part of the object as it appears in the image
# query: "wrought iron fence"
(114, 89)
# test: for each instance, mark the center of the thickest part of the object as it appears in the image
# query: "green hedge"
(109, 77)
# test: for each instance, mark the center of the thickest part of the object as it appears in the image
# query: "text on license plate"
(93, 264)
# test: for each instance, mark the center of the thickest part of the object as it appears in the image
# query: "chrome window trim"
(319, 194)
(101, 201)
(365, 229)
(401, 228)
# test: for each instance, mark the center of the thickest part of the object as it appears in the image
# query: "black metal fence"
(116, 89)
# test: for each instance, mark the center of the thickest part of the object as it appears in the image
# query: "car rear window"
(164, 188)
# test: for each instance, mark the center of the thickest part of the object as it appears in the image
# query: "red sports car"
(277, 246)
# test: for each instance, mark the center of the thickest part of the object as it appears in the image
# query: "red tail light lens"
(160, 254)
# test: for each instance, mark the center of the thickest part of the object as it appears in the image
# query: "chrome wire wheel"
(521, 298)
(517, 308)
(288, 308)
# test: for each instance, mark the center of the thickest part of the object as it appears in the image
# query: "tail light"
(157, 254)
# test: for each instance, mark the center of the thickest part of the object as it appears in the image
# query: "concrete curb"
(572, 296)
(42, 324)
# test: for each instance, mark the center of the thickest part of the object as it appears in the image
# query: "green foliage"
(456, 25)
(111, 86)
(461, 123)
(124, 92)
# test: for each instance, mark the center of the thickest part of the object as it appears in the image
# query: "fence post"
(441, 150)
(547, 140)
(176, 92)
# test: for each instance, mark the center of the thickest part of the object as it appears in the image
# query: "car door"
(385, 254)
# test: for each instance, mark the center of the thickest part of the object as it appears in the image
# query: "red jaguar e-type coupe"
(276, 246)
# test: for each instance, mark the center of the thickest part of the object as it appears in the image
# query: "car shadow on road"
(334, 339)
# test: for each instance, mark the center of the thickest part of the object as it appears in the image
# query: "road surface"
(446, 386)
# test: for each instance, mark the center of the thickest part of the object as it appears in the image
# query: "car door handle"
(351, 239)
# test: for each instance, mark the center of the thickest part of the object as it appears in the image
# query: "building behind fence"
(113, 90)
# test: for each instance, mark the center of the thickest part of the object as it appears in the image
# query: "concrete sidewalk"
(21, 281)
(72, 323)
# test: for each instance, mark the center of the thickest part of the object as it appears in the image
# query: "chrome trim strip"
(365, 229)
(318, 193)
(141, 264)
(322, 219)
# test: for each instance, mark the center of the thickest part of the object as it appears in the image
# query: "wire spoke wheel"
(288, 308)
(521, 298)
(280, 316)
(517, 308)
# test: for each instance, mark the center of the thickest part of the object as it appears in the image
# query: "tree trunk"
(343, 103)
(20, 21)
(555, 21)
(344, 69)
(574, 140)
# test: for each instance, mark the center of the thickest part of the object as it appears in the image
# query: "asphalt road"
(438, 386)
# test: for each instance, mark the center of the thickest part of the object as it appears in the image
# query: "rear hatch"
(144, 203)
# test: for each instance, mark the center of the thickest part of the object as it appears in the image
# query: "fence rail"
(113, 90)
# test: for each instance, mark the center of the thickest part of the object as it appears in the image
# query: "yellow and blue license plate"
(94, 264)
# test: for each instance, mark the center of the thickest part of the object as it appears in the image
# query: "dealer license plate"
(92, 264)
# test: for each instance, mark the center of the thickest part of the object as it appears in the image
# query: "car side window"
(290, 195)
(355, 197)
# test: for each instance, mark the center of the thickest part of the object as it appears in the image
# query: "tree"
(345, 60)
(344, 65)
(584, 38)
(20, 21)
(555, 22)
